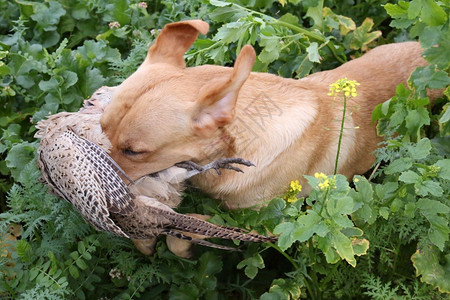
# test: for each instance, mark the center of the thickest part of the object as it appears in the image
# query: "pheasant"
(73, 160)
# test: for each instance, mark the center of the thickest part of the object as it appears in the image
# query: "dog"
(165, 113)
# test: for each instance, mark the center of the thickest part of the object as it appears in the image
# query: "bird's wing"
(72, 173)
(118, 196)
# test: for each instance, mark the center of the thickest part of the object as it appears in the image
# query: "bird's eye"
(130, 152)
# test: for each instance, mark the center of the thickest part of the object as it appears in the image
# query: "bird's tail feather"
(194, 225)
(180, 235)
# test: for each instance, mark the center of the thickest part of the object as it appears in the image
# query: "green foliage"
(382, 237)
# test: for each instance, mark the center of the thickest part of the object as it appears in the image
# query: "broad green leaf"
(360, 246)
(432, 206)
(444, 171)
(362, 35)
(352, 231)
(340, 206)
(399, 165)
(416, 118)
(428, 76)
(409, 177)
(438, 54)
(286, 232)
(324, 244)
(219, 3)
(208, 265)
(19, 156)
(301, 230)
(420, 150)
(410, 210)
(48, 85)
(399, 10)
(252, 264)
(446, 115)
(290, 19)
(343, 246)
(384, 212)
(439, 230)
(315, 13)
(283, 289)
(429, 187)
(47, 16)
(432, 14)
(227, 14)
(313, 52)
(272, 48)
(433, 267)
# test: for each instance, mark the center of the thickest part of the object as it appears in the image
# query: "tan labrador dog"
(166, 113)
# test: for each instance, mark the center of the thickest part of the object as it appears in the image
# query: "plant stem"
(301, 30)
(294, 264)
(341, 133)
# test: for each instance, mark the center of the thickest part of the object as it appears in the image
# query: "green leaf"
(48, 85)
(362, 35)
(314, 12)
(420, 150)
(409, 177)
(439, 230)
(48, 16)
(272, 48)
(81, 264)
(252, 264)
(416, 118)
(209, 264)
(384, 212)
(429, 187)
(344, 247)
(19, 156)
(219, 3)
(360, 246)
(399, 165)
(70, 78)
(313, 52)
(444, 168)
(433, 267)
(430, 77)
(300, 230)
(283, 289)
(399, 10)
(432, 14)
(74, 271)
(290, 19)
(339, 206)
(438, 54)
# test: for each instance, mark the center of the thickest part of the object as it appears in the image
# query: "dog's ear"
(174, 40)
(215, 107)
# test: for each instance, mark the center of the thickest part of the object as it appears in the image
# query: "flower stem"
(341, 133)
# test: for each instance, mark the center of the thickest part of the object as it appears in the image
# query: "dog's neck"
(257, 132)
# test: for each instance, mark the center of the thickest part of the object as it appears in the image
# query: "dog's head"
(165, 113)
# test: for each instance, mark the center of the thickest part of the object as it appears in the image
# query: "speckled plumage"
(74, 162)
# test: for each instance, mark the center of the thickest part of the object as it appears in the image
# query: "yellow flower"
(344, 85)
(291, 195)
(295, 186)
(292, 199)
(356, 180)
(320, 175)
(324, 185)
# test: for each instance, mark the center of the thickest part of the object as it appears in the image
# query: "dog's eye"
(130, 152)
